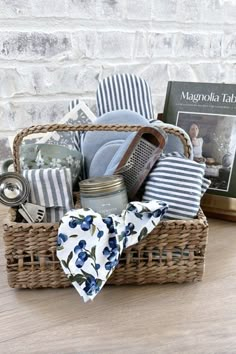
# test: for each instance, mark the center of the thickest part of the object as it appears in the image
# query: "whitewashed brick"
(73, 79)
(203, 72)
(81, 9)
(215, 45)
(18, 115)
(181, 72)
(115, 44)
(106, 70)
(107, 9)
(209, 72)
(85, 44)
(24, 114)
(229, 11)
(35, 45)
(5, 151)
(229, 45)
(76, 79)
(230, 73)
(188, 11)
(139, 10)
(160, 44)
(190, 45)
(158, 103)
(141, 49)
(52, 8)
(15, 8)
(7, 116)
(212, 11)
(197, 45)
(157, 77)
(129, 68)
(164, 10)
(15, 83)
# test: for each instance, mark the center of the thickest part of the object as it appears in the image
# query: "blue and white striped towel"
(180, 183)
(52, 188)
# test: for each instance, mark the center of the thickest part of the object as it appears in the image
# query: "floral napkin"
(89, 246)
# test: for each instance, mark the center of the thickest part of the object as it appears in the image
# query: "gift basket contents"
(122, 207)
(14, 191)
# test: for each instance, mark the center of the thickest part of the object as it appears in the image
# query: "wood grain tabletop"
(173, 318)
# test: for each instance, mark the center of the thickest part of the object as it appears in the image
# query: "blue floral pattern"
(89, 246)
(111, 252)
(61, 238)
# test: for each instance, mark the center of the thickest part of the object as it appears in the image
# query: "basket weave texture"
(30, 249)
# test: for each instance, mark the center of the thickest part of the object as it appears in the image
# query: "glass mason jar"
(105, 195)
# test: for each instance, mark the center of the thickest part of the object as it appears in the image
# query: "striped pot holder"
(124, 91)
(51, 188)
(180, 183)
(118, 92)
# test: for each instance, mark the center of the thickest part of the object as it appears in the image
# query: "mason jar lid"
(103, 184)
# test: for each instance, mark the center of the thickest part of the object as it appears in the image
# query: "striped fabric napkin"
(179, 182)
(51, 188)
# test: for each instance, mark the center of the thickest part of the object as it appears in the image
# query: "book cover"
(207, 112)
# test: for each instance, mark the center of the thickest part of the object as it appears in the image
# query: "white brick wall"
(54, 51)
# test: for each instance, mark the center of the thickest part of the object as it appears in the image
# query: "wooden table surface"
(185, 318)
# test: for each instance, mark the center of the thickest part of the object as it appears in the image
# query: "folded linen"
(179, 182)
(51, 188)
(89, 246)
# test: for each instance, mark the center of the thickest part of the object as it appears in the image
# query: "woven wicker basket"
(173, 252)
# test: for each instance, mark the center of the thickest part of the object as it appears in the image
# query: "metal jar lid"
(105, 184)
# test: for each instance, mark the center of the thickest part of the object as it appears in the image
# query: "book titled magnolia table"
(207, 111)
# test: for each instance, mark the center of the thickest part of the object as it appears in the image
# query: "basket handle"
(65, 128)
(175, 131)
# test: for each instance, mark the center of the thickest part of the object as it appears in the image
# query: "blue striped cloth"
(124, 91)
(180, 183)
(51, 188)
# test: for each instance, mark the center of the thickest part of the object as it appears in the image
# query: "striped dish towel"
(51, 188)
(180, 183)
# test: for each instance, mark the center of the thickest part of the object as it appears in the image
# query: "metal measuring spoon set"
(15, 191)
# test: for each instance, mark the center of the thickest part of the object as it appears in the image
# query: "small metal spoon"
(14, 191)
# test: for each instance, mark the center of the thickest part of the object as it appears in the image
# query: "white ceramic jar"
(105, 195)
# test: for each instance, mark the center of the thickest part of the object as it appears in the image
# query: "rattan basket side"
(30, 249)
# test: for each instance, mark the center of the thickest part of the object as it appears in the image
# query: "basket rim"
(45, 128)
(199, 220)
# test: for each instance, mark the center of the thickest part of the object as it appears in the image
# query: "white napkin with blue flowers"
(89, 246)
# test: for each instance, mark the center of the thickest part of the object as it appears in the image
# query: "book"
(207, 112)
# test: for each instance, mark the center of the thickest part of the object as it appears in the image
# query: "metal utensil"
(32, 212)
(14, 191)
(140, 156)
